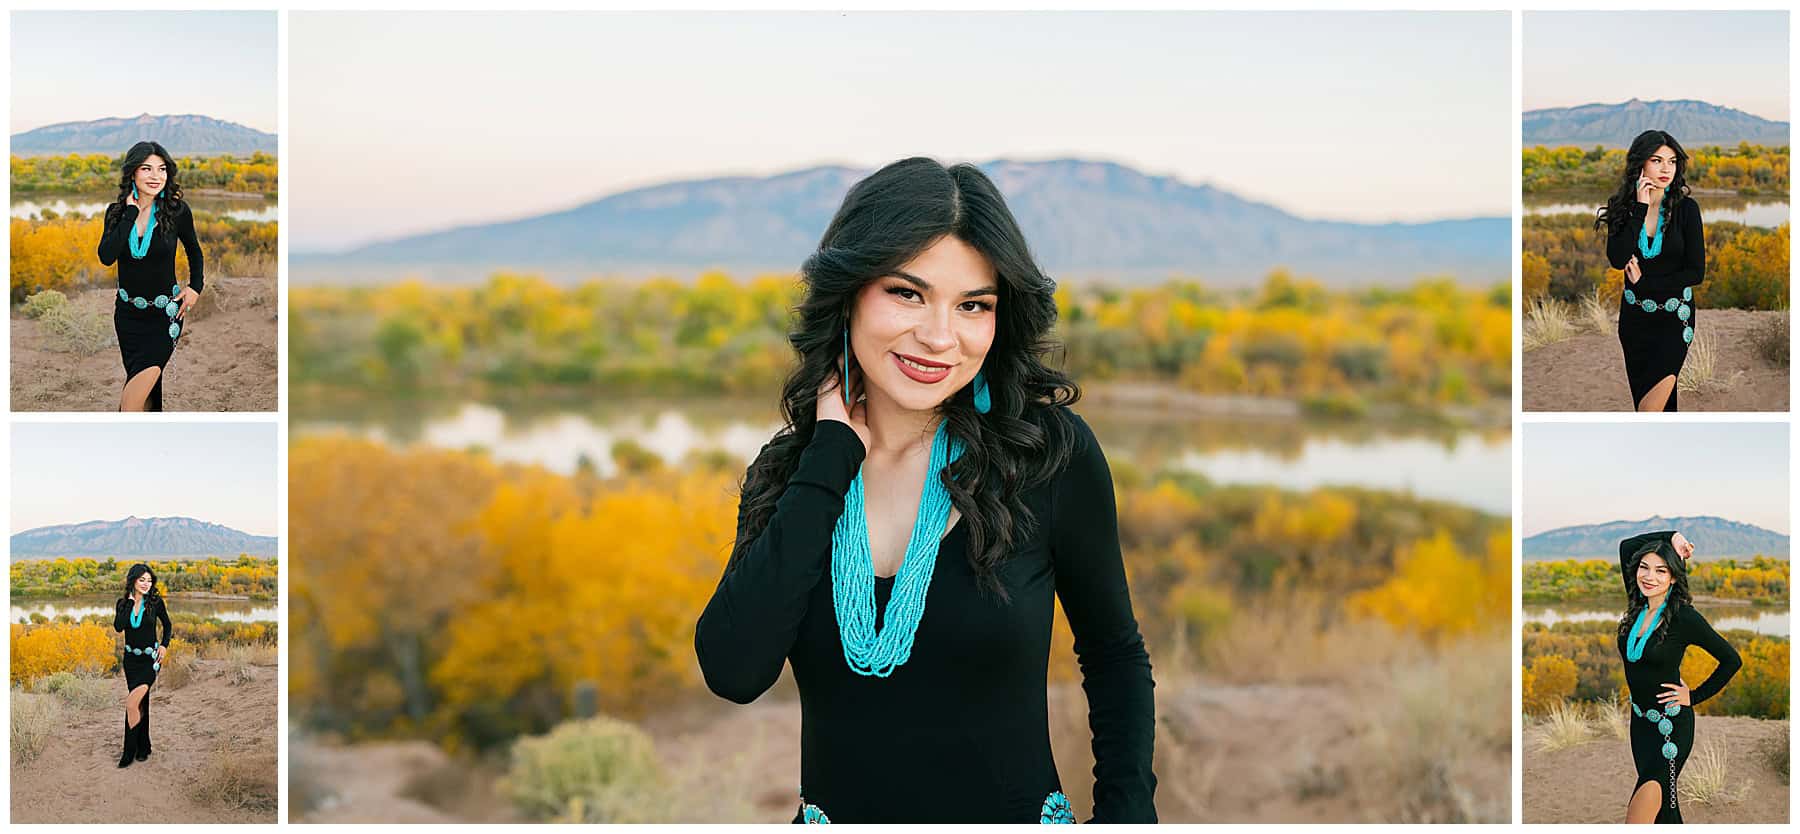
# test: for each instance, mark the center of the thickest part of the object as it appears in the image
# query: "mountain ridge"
(1714, 537)
(1692, 122)
(132, 536)
(185, 134)
(1081, 216)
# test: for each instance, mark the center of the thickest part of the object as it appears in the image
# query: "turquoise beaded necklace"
(868, 651)
(141, 246)
(137, 614)
(1651, 245)
(1635, 642)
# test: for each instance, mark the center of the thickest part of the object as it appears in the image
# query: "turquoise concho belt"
(1678, 306)
(1056, 811)
(165, 303)
(150, 650)
(1667, 728)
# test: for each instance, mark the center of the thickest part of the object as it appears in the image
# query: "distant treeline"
(1762, 580)
(1565, 258)
(1580, 661)
(1427, 344)
(62, 253)
(251, 576)
(1749, 170)
(88, 646)
(443, 595)
(99, 174)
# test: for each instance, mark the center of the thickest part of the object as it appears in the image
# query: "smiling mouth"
(921, 370)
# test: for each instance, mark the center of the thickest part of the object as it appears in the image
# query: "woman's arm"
(753, 618)
(122, 614)
(1630, 546)
(114, 234)
(162, 615)
(1700, 633)
(190, 242)
(1621, 243)
(1115, 668)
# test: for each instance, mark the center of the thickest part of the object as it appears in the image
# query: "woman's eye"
(977, 306)
(907, 293)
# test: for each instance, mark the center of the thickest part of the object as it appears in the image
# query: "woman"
(903, 540)
(1653, 233)
(137, 615)
(1659, 624)
(140, 234)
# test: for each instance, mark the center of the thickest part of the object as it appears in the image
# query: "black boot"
(143, 730)
(130, 753)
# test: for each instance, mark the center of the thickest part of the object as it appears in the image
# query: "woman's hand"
(131, 199)
(1647, 192)
(1632, 271)
(187, 298)
(831, 405)
(1683, 547)
(1677, 694)
(161, 653)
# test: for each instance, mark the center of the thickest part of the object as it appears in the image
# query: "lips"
(921, 370)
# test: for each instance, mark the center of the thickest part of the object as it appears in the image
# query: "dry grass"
(1298, 638)
(1775, 753)
(81, 692)
(1700, 371)
(177, 670)
(1563, 726)
(1419, 738)
(1771, 340)
(1547, 321)
(238, 782)
(1706, 779)
(1613, 718)
(35, 719)
(240, 660)
(1597, 315)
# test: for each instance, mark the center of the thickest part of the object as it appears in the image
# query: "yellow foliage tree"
(40, 650)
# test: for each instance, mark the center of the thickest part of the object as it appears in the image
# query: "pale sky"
(1734, 59)
(79, 66)
(224, 473)
(404, 123)
(1589, 473)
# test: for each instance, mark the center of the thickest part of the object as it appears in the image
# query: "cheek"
(977, 336)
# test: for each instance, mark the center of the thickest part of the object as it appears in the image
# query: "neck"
(137, 595)
(894, 430)
(1651, 603)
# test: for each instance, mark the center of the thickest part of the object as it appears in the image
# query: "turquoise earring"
(844, 380)
(984, 402)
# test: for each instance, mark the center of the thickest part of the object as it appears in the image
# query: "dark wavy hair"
(131, 578)
(1616, 214)
(169, 204)
(1678, 596)
(885, 221)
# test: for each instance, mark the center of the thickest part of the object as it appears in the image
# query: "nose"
(934, 331)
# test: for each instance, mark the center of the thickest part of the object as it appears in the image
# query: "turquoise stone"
(1653, 715)
(1687, 335)
(1674, 709)
(174, 329)
(1683, 312)
(160, 301)
(123, 295)
(139, 303)
(1665, 726)
(1649, 306)
(1687, 293)
(1670, 750)
(1670, 305)
(1630, 297)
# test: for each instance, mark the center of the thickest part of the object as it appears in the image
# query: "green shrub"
(596, 770)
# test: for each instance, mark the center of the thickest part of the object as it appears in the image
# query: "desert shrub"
(35, 718)
(595, 770)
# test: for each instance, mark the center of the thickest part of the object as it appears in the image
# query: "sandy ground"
(226, 362)
(1253, 753)
(1587, 372)
(1592, 782)
(77, 779)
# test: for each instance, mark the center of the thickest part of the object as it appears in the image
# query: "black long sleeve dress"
(1660, 664)
(1655, 337)
(140, 667)
(144, 334)
(960, 732)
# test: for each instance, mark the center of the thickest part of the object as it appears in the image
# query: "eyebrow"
(926, 285)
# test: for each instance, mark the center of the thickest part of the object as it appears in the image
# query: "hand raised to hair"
(831, 406)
